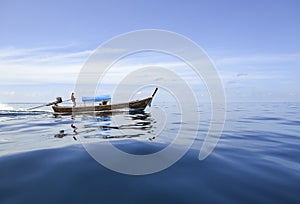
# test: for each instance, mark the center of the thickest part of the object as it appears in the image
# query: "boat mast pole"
(154, 92)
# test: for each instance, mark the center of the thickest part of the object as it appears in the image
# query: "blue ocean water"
(256, 160)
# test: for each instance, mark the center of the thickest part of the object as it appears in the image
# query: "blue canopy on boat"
(96, 98)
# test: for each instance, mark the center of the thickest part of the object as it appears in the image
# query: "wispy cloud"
(42, 64)
(60, 65)
(258, 58)
(251, 68)
(42, 55)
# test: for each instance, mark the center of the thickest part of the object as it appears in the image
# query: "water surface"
(256, 160)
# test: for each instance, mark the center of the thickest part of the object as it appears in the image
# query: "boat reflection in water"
(109, 121)
(111, 125)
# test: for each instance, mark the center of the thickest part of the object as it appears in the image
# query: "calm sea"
(257, 159)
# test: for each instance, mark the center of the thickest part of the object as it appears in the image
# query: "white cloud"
(258, 59)
(45, 64)
(40, 65)
(249, 69)
(41, 56)
(62, 65)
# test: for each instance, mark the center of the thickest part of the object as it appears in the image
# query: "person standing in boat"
(73, 99)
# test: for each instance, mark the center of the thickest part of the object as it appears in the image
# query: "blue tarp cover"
(96, 98)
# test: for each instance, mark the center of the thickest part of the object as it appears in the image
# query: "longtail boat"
(132, 105)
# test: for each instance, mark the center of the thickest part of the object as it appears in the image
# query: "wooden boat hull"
(134, 105)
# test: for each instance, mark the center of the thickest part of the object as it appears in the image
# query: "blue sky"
(254, 44)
